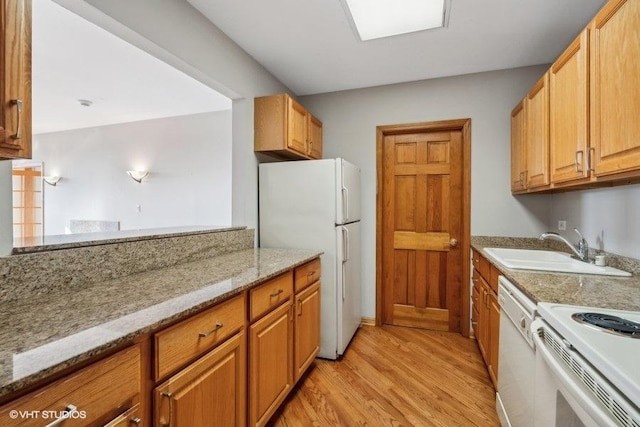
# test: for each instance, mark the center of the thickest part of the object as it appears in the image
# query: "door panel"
(422, 222)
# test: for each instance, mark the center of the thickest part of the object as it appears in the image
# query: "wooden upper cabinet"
(568, 113)
(314, 129)
(15, 79)
(285, 128)
(518, 149)
(296, 127)
(537, 133)
(615, 92)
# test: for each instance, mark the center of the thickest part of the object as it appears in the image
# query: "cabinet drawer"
(306, 274)
(130, 418)
(99, 392)
(475, 292)
(493, 278)
(183, 342)
(271, 294)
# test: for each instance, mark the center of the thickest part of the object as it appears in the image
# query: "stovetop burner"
(609, 323)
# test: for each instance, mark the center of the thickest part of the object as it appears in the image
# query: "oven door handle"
(587, 403)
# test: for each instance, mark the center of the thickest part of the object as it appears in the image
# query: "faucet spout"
(581, 250)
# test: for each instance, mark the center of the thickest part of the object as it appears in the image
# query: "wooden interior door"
(422, 225)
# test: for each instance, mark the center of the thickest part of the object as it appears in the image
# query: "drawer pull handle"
(214, 330)
(65, 415)
(18, 135)
(299, 307)
(276, 293)
(137, 421)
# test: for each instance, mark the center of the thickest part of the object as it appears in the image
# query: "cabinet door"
(296, 127)
(15, 79)
(494, 337)
(568, 112)
(307, 329)
(483, 320)
(518, 148)
(315, 137)
(209, 392)
(615, 92)
(537, 131)
(271, 364)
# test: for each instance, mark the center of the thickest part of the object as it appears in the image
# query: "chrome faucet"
(581, 249)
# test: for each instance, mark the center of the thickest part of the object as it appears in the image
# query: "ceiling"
(310, 46)
(74, 59)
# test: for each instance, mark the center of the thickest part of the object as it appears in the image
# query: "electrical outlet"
(562, 225)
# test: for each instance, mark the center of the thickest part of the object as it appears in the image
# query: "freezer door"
(347, 192)
(348, 283)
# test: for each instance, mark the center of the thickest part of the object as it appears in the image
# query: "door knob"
(453, 242)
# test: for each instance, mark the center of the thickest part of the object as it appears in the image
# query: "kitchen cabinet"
(284, 337)
(537, 134)
(518, 149)
(185, 341)
(592, 109)
(307, 316)
(208, 392)
(314, 130)
(285, 128)
(568, 113)
(97, 395)
(486, 312)
(271, 363)
(615, 92)
(15, 79)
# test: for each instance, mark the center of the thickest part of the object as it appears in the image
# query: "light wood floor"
(395, 376)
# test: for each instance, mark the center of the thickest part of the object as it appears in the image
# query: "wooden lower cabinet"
(271, 363)
(209, 392)
(486, 314)
(96, 395)
(307, 329)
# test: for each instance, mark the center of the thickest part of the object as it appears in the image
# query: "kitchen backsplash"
(22, 276)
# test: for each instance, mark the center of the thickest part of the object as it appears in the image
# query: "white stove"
(612, 373)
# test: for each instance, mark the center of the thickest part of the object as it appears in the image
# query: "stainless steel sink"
(530, 259)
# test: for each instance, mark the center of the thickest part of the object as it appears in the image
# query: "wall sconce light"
(138, 176)
(51, 180)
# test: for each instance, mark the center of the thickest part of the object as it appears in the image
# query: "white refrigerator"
(315, 204)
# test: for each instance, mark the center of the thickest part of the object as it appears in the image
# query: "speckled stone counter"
(51, 331)
(621, 293)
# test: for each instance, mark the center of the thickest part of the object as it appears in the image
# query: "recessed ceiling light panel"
(374, 19)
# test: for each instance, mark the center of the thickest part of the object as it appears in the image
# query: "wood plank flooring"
(395, 376)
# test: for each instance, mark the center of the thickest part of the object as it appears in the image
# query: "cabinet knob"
(453, 243)
(136, 421)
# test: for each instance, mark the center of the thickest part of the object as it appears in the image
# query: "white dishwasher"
(516, 365)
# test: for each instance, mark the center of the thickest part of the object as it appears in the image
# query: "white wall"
(175, 32)
(189, 159)
(349, 125)
(609, 218)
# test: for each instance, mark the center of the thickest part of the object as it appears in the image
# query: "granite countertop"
(79, 240)
(46, 333)
(622, 293)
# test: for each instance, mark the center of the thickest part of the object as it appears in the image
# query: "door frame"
(463, 125)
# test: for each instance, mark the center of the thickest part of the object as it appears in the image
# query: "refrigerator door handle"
(345, 244)
(344, 281)
(345, 204)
